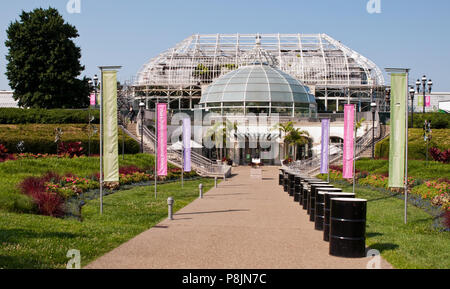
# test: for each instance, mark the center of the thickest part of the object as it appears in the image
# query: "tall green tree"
(44, 62)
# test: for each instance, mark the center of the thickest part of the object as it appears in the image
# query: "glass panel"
(257, 96)
(235, 87)
(258, 110)
(279, 87)
(257, 104)
(233, 104)
(257, 87)
(282, 97)
(282, 104)
(331, 105)
(234, 110)
(233, 96)
(214, 104)
(282, 111)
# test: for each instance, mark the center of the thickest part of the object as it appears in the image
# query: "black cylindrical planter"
(297, 192)
(281, 177)
(326, 219)
(285, 182)
(291, 183)
(305, 191)
(348, 227)
(312, 201)
(319, 214)
(310, 193)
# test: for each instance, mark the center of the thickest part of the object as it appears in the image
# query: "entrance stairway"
(363, 150)
(203, 166)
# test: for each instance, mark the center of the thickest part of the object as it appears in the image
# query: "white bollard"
(200, 188)
(170, 202)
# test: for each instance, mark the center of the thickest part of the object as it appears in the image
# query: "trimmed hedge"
(47, 116)
(40, 138)
(438, 120)
(416, 145)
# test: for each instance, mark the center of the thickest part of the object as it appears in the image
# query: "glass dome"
(259, 88)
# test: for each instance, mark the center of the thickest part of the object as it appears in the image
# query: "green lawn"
(32, 241)
(13, 172)
(415, 245)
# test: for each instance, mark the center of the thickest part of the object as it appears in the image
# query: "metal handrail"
(313, 164)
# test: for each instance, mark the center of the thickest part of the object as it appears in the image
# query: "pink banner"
(92, 99)
(162, 139)
(428, 101)
(349, 126)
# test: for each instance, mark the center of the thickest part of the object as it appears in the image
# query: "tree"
(297, 137)
(44, 62)
(220, 133)
(285, 129)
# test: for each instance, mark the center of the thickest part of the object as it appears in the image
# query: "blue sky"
(407, 33)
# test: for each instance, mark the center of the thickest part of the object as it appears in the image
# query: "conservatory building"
(335, 74)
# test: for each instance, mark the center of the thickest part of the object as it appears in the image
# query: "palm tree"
(219, 133)
(215, 132)
(297, 137)
(285, 129)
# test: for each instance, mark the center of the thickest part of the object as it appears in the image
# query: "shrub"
(49, 204)
(128, 170)
(4, 155)
(438, 120)
(440, 156)
(73, 149)
(447, 219)
(47, 116)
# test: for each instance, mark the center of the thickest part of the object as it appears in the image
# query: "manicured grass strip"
(31, 241)
(412, 246)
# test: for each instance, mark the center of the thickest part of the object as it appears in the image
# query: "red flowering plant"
(71, 150)
(4, 155)
(440, 156)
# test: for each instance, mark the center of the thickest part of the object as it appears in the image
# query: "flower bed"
(52, 193)
(433, 195)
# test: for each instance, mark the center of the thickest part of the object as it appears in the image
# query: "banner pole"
(329, 124)
(156, 151)
(182, 165)
(406, 153)
(354, 151)
(101, 142)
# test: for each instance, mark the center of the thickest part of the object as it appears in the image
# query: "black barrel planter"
(312, 199)
(326, 220)
(297, 188)
(306, 191)
(311, 186)
(281, 177)
(285, 182)
(291, 183)
(348, 227)
(297, 193)
(319, 213)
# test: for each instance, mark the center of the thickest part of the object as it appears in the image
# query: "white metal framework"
(331, 69)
